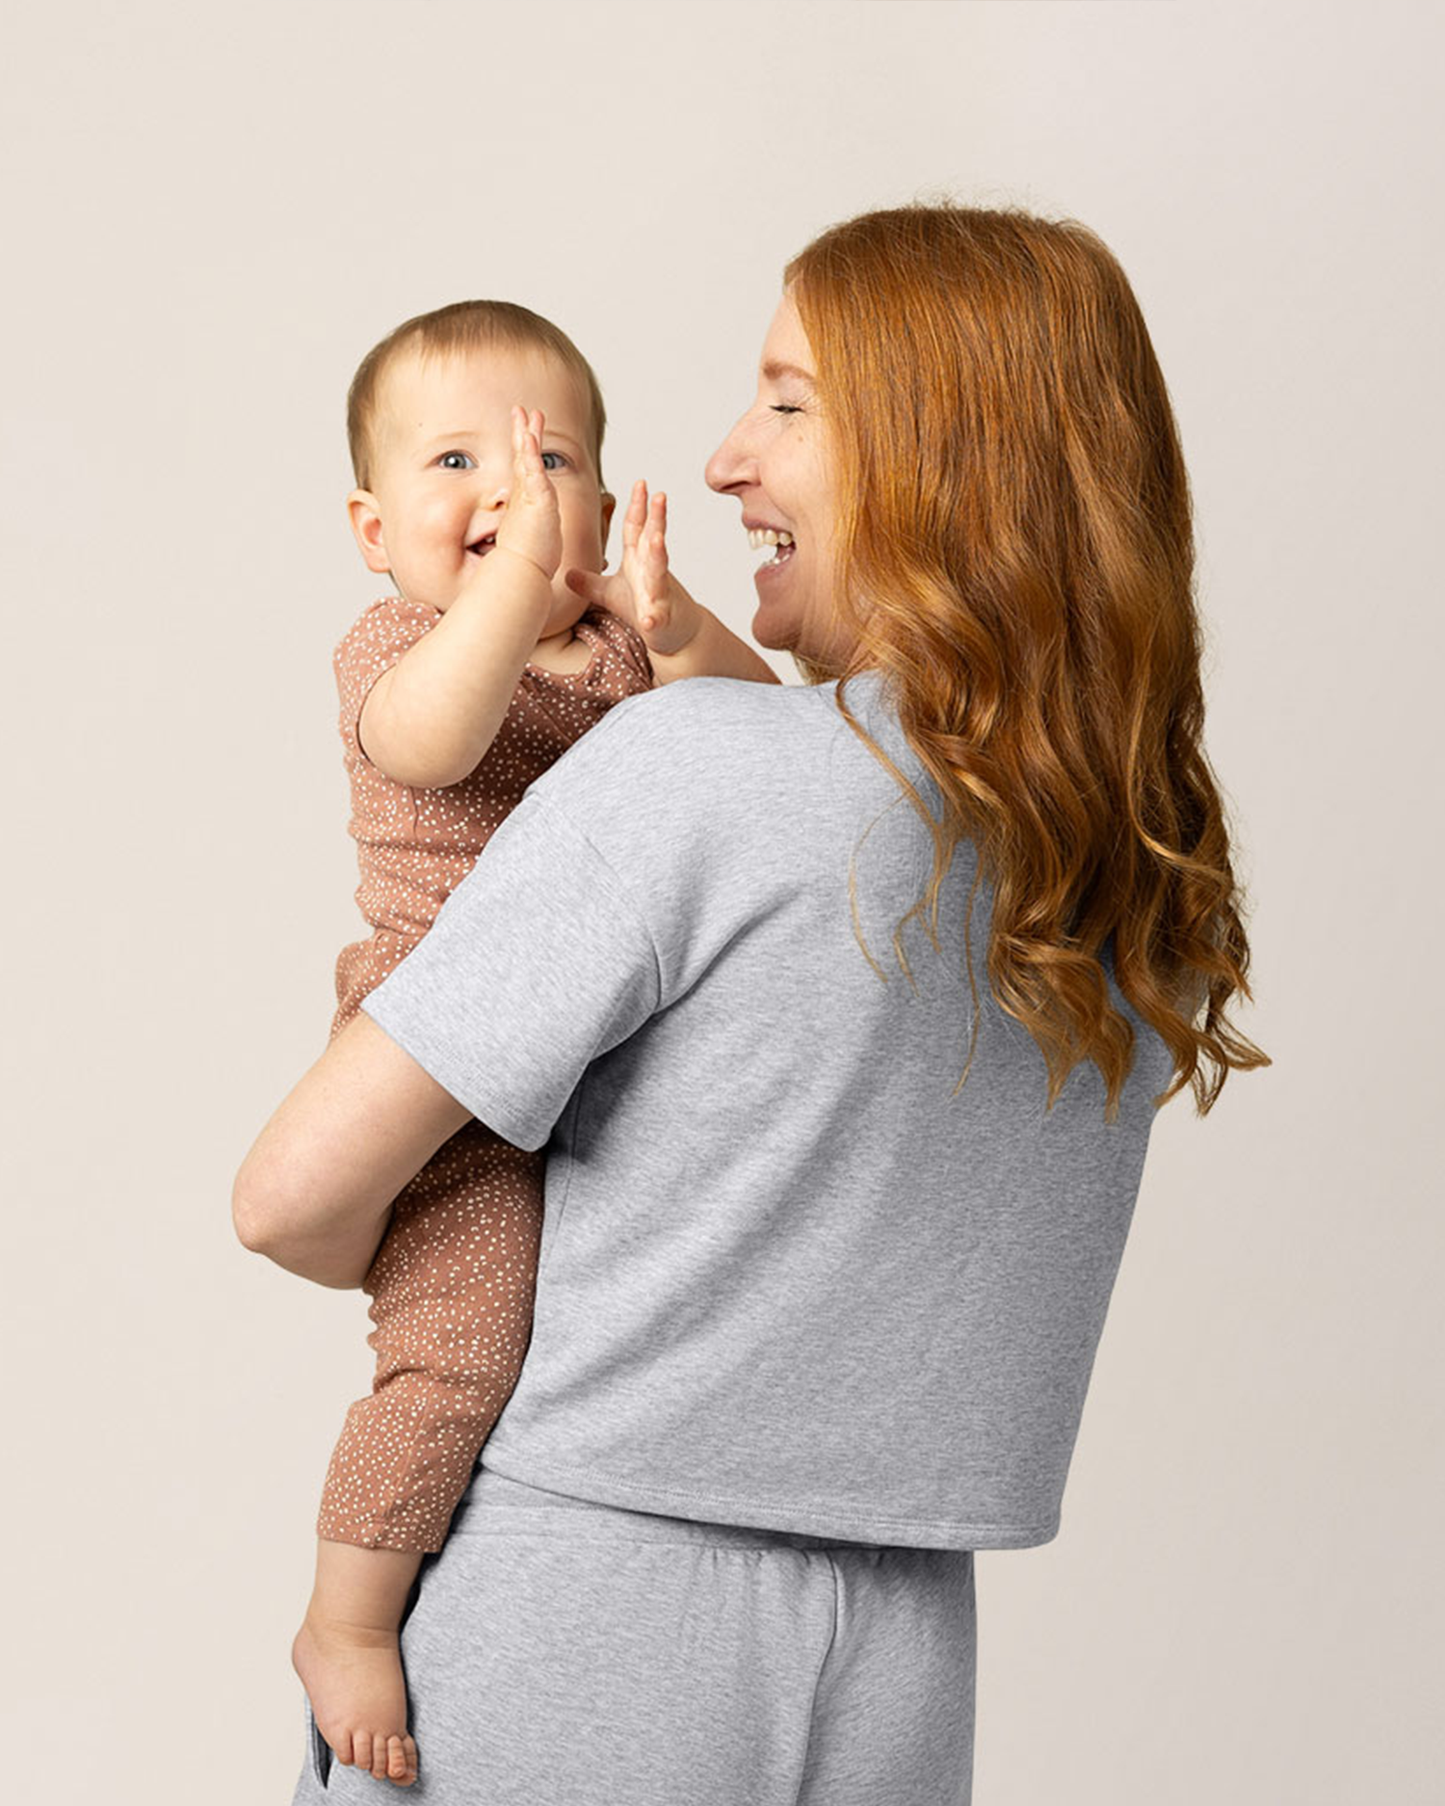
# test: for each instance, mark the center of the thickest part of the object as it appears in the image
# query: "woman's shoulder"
(786, 708)
(723, 757)
(700, 728)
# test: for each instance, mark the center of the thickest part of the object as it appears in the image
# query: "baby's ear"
(365, 517)
(609, 503)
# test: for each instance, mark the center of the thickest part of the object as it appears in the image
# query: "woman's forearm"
(338, 1255)
(713, 651)
(315, 1192)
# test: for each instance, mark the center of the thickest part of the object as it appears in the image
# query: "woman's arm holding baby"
(683, 638)
(315, 1192)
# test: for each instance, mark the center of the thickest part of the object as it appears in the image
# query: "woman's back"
(791, 1275)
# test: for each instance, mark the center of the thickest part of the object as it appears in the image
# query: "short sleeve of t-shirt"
(537, 964)
(373, 645)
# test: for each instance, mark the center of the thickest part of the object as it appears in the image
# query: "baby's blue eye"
(561, 463)
(456, 461)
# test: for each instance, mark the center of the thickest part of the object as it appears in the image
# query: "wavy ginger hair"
(1016, 557)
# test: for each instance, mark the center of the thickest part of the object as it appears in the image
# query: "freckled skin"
(777, 461)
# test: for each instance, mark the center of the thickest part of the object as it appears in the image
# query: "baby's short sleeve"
(371, 646)
(629, 646)
(538, 964)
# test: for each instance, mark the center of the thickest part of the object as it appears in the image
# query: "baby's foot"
(353, 1678)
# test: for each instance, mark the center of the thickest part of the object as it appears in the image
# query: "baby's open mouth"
(480, 547)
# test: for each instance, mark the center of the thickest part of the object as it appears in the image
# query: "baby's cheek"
(582, 539)
(443, 517)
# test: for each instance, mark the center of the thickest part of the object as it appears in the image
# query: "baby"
(501, 644)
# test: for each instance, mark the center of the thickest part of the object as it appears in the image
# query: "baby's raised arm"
(428, 720)
(683, 638)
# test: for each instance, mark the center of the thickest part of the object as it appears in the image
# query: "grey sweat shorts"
(564, 1653)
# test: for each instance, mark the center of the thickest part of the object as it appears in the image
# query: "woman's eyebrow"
(772, 371)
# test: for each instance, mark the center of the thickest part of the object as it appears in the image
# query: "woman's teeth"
(759, 537)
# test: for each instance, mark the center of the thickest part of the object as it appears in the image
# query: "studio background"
(209, 217)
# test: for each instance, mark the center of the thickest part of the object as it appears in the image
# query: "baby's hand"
(531, 525)
(644, 591)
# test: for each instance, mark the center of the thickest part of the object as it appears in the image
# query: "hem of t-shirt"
(495, 1110)
(771, 1514)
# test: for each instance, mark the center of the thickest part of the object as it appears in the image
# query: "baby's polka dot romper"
(452, 1283)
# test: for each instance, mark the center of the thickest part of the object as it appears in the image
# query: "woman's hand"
(643, 591)
(531, 524)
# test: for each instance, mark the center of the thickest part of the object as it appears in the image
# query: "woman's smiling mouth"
(761, 537)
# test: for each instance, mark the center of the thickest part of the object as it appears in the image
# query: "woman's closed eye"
(783, 407)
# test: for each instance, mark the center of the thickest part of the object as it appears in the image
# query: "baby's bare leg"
(452, 1288)
(348, 1654)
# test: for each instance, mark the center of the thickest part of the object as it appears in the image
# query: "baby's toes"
(361, 1748)
(380, 1755)
(401, 1760)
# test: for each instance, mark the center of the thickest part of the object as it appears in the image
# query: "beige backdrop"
(210, 216)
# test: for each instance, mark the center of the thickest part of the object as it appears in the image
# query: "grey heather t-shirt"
(787, 1277)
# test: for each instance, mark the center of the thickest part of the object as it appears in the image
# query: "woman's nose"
(732, 464)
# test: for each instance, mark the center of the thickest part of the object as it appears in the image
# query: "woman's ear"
(609, 502)
(366, 527)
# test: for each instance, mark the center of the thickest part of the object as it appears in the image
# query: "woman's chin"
(777, 631)
(775, 625)
(768, 631)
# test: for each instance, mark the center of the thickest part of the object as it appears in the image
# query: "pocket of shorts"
(319, 1753)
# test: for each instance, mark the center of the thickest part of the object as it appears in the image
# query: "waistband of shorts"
(493, 1505)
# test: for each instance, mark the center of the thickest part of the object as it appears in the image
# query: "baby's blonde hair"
(461, 327)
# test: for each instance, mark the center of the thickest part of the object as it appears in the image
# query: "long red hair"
(1016, 557)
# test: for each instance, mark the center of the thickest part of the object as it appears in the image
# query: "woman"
(830, 1228)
